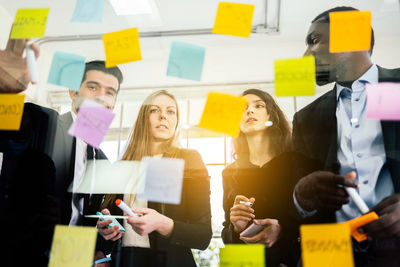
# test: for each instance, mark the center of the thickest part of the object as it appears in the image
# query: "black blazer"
(271, 185)
(192, 217)
(315, 136)
(63, 155)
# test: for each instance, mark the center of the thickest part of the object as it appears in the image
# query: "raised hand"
(14, 74)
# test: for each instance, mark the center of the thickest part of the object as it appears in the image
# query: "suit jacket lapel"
(327, 125)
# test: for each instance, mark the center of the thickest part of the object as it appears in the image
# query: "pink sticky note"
(383, 101)
(92, 123)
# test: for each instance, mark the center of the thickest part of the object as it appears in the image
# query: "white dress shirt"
(79, 172)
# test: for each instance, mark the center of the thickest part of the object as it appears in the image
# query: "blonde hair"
(139, 142)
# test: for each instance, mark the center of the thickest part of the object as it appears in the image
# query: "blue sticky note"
(186, 60)
(67, 70)
(88, 11)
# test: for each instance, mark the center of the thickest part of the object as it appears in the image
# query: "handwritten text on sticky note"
(295, 77)
(383, 101)
(186, 60)
(73, 246)
(121, 47)
(242, 255)
(11, 110)
(349, 31)
(67, 70)
(234, 19)
(29, 23)
(223, 113)
(326, 245)
(92, 123)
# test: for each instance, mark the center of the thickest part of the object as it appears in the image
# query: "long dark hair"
(279, 133)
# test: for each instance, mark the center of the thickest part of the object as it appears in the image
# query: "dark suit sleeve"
(194, 232)
(298, 145)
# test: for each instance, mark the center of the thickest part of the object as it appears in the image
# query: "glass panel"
(211, 149)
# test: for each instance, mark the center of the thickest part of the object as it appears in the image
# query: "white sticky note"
(103, 177)
(163, 179)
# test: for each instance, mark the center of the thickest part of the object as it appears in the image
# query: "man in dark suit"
(70, 154)
(348, 149)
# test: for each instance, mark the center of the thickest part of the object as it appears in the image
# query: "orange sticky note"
(73, 246)
(349, 31)
(234, 19)
(121, 47)
(326, 245)
(295, 77)
(29, 23)
(11, 110)
(223, 113)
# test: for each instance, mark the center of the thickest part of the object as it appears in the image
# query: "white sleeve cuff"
(303, 213)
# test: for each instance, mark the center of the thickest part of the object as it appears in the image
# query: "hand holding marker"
(364, 219)
(125, 208)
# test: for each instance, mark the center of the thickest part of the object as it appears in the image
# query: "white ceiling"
(229, 60)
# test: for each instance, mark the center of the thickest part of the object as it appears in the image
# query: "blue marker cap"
(102, 260)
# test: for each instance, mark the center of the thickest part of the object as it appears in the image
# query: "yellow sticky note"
(121, 47)
(295, 77)
(29, 23)
(73, 246)
(242, 255)
(326, 245)
(11, 110)
(223, 113)
(349, 31)
(234, 19)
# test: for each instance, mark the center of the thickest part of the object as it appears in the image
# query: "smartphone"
(252, 230)
(104, 217)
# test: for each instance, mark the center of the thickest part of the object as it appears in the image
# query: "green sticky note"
(88, 11)
(29, 23)
(295, 77)
(242, 255)
(186, 60)
(67, 70)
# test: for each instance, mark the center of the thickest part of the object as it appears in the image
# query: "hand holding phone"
(252, 230)
(104, 217)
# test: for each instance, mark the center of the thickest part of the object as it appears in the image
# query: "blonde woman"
(171, 229)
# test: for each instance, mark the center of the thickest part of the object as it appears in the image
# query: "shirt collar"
(370, 76)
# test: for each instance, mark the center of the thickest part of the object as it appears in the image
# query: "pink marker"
(125, 208)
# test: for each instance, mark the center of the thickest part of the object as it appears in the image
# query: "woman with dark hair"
(257, 185)
(172, 230)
